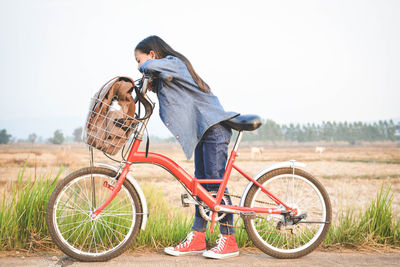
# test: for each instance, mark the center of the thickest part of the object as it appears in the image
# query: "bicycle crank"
(206, 213)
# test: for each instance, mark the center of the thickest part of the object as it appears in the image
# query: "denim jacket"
(185, 109)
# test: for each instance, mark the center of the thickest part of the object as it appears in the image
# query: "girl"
(193, 115)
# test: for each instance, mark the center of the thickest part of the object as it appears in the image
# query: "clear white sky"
(289, 61)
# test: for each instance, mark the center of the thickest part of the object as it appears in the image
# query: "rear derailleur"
(288, 221)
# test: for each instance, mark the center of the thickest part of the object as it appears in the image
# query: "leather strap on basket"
(147, 106)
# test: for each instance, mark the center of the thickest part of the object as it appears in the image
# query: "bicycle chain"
(259, 201)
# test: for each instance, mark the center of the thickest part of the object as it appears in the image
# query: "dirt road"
(245, 259)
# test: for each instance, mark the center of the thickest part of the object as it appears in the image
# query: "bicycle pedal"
(248, 214)
(186, 201)
(183, 198)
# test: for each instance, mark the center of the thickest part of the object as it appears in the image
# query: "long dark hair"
(162, 49)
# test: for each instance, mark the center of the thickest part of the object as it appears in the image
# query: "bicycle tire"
(57, 235)
(288, 253)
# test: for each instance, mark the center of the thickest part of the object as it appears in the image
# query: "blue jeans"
(210, 156)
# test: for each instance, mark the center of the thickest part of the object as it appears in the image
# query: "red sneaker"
(194, 243)
(226, 247)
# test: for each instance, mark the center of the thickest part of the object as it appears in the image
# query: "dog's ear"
(111, 93)
(124, 89)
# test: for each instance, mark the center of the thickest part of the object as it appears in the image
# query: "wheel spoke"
(76, 207)
(83, 227)
(101, 240)
(79, 222)
(116, 204)
(76, 228)
(112, 231)
(116, 213)
(78, 195)
(84, 242)
(119, 225)
(83, 192)
(91, 239)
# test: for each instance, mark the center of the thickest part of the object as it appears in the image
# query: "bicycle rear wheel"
(80, 236)
(289, 236)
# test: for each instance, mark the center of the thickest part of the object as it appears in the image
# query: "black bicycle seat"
(247, 122)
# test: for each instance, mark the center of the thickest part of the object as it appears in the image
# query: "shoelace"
(221, 241)
(186, 241)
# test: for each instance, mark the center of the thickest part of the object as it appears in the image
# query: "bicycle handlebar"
(141, 93)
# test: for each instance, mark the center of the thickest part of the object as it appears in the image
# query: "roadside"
(248, 257)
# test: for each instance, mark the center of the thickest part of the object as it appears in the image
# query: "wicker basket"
(108, 127)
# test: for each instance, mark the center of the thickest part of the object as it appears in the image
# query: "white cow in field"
(256, 152)
(319, 149)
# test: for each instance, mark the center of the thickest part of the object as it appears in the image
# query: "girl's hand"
(152, 86)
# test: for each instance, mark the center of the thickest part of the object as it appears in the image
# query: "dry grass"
(352, 175)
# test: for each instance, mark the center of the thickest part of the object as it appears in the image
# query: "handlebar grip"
(165, 77)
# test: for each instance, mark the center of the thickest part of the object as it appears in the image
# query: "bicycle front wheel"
(289, 236)
(70, 223)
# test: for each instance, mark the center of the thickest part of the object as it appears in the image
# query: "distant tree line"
(4, 137)
(271, 131)
(327, 131)
(57, 138)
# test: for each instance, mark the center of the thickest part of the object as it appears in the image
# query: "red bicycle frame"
(194, 184)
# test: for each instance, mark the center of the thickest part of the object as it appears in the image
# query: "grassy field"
(23, 227)
(363, 183)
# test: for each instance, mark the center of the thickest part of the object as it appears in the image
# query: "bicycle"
(95, 213)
